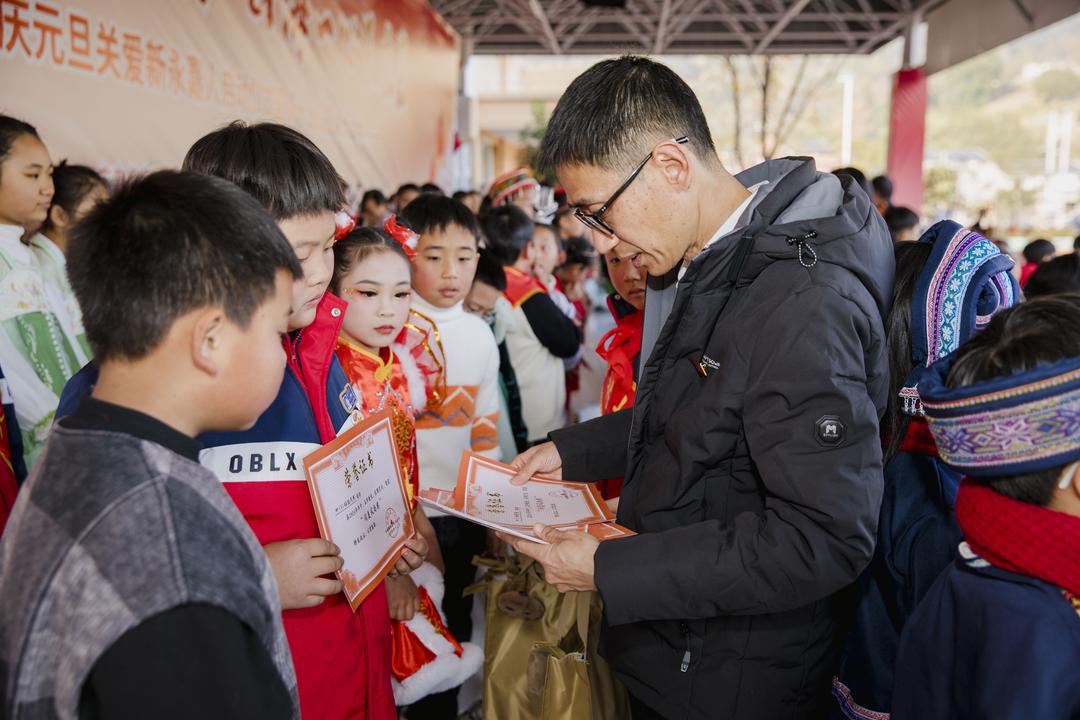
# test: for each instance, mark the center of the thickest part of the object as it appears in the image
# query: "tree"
(1058, 84)
(940, 187)
(761, 73)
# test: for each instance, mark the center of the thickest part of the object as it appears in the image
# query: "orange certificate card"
(360, 502)
(484, 492)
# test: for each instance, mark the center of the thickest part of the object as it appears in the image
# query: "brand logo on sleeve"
(257, 462)
(830, 430)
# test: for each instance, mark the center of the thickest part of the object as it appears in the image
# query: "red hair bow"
(343, 224)
(405, 236)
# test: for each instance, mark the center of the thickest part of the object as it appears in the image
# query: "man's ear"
(208, 339)
(674, 162)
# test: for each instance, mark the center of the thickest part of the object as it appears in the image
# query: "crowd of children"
(171, 348)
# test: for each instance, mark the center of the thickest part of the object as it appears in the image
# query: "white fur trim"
(447, 670)
(413, 378)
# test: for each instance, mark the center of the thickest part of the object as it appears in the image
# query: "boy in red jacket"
(342, 658)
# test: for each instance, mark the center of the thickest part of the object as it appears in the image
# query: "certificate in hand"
(484, 492)
(360, 502)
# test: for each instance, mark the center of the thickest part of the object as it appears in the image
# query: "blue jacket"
(916, 540)
(989, 643)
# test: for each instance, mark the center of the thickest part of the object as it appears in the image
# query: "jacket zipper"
(685, 629)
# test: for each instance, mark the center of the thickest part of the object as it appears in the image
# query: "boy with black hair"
(374, 208)
(1058, 275)
(882, 187)
(998, 635)
(903, 223)
(342, 658)
(405, 195)
(468, 417)
(141, 591)
(542, 335)
(486, 301)
(1036, 253)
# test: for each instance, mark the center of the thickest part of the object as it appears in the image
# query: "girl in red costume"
(373, 274)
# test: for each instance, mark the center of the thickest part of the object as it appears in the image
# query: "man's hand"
(543, 459)
(412, 557)
(568, 561)
(403, 598)
(299, 567)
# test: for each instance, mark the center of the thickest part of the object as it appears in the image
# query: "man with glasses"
(752, 458)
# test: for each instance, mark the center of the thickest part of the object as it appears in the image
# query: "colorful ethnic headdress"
(507, 186)
(1009, 425)
(965, 282)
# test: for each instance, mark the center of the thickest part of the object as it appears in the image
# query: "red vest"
(520, 287)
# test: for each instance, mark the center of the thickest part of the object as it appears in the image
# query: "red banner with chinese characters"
(128, 86)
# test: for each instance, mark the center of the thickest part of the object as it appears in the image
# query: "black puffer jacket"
(753, 470)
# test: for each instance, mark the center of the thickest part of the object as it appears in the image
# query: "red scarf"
(1017, 536)
(918, 439)
(619, 347)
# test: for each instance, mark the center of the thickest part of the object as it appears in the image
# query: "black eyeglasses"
(595, 221)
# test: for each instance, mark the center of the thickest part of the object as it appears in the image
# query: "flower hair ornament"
(344, 223)
(403, 234)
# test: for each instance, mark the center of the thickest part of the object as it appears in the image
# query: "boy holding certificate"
(342, 657)
(133, 587)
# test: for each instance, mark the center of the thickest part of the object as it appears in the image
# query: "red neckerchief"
(1017, 536)
(918, 439)
(619, 347)
(520, 287)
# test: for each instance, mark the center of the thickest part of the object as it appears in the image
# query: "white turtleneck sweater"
(467, 418)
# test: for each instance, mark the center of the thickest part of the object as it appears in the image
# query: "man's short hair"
(278, 166)
(490, 271)
(617, 110)
(1040, 331)
(883, 187)
(432, 188)
(164, 245)
(436, 213)
(508, 231)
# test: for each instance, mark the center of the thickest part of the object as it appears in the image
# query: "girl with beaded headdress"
(392, 358)
(40, 347)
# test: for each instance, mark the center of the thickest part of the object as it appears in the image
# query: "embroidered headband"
(344, 223)
(1010, 425)
(404, 235)
(964, 283)
(510, 184)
